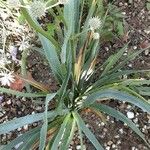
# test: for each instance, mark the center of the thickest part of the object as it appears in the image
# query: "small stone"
(78, 147)
(121, 131)
(105, 130)
(107, 148)
(130, 115)
(110, 143)
(116, 136)
(25, 127)
(135, 120)
(130, 65)
(8, 102)
(146, 52)
(129, 106)
(113, 146)
(118, 142)
(19, 129)
(102, 123)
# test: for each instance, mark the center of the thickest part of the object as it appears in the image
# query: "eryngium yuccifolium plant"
(72, 55)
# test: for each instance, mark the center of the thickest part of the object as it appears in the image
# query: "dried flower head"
(96, 36)
(37, 9)
(63, 1)
(94, 23)
(13, 3)
(6, 78)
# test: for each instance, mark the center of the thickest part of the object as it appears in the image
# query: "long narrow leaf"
(23, 138)
(43, 132)
(21, 94)
(60, 133)
(119, 116)
(119, 95)
(87, 132)
(19, 122)
(52, 57)
(71, 21)
(114, 60)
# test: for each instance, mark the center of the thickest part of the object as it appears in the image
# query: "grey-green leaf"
(87, 132)
(117, 95)
(119, 116)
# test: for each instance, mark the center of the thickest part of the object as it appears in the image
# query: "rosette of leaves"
(72, 55)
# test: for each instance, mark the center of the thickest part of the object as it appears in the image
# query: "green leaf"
(136, 82)
(36, 27)
(21, 94)
(23, 138)
(70, 137)
(52, 57)
(112, 60)
(19, 122)
(129, 58)
(67, 133)
(31, 140)
(87, 132)
(111, 77)
(70, 8)
(60, 133)
(120, 28)
(43, 132)
(119, 116)
(117, 95)
(148, 5)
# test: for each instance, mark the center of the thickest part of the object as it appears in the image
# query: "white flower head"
(63, 1)
(96, 36)
(13, 3)
(6, 78)
(37, 9)
(95, 23)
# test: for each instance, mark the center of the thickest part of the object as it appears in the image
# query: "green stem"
(23, 67)
(36, 27)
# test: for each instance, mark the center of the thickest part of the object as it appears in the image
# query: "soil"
(114, 135)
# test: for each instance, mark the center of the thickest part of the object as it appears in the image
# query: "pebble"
(146, 52)
(134, 47)
(8, 102)
(78, 147)
(107, 148)
(110, 143)
(135, 120)
(130, 115)
(121, 131)
(130, 65)
(116, 136)
(113, 146)
(25, 127)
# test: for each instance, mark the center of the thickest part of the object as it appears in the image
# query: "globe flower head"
(37, 9)
(6, 78)
(95, 23)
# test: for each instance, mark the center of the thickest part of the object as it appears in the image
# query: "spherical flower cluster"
(13, 3)
(95, 23)
(6, 78)
(37, 9)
